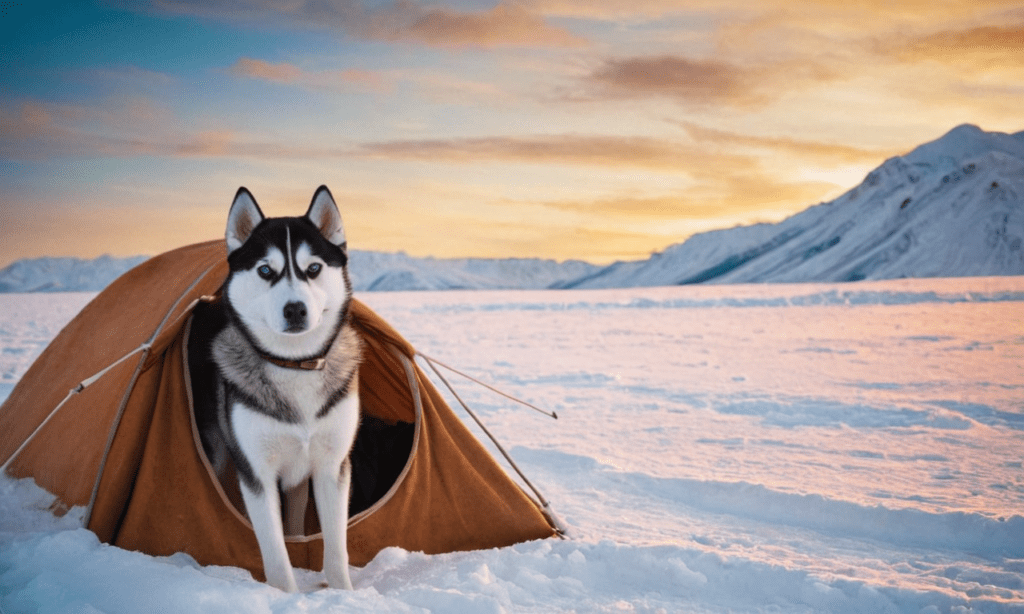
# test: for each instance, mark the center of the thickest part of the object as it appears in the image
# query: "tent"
(123, 441)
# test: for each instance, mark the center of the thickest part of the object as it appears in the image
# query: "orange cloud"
(290, 74)
(39, 131)
(611, 151)
(505, 25)
(981, 47)
(826, 153)
(508, 24)
(260, 69)
(703, 81)
(726, 195)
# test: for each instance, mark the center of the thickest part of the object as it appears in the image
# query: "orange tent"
(124, 442)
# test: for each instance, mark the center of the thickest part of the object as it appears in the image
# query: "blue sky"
(600, 130)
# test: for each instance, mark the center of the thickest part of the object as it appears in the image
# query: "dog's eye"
(313, 270)
(265, 272)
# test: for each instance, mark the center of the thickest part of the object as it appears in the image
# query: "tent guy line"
(550, 414)
(144, 348)
(545, 506)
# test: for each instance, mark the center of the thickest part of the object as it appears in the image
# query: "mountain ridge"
(952, 207)
(949, 208)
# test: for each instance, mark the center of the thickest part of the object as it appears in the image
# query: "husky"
(281, 375)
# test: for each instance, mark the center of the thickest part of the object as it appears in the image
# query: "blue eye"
(313, 270)
(265, 272)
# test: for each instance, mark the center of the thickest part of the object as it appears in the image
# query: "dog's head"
(288, 285)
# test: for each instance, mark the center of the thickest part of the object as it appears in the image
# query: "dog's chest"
(292, 449)
(304, 391)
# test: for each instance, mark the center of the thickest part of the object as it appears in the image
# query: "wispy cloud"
(505, 25)
(819, 152)
(979, 48)
(608, 151)
(290, 74)
(697, 81)
(508, 24)
(726, 196)
(35, 130)
(704, 83)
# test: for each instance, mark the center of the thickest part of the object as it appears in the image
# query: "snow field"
(833, 448)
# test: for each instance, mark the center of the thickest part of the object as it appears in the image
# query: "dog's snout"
(295, 315)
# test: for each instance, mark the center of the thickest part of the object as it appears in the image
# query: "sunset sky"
(599, 130)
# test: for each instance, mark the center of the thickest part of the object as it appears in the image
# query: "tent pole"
(560, 528)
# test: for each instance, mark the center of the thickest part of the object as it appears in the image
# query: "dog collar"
(313, 364)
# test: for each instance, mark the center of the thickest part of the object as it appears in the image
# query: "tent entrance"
(380, 457)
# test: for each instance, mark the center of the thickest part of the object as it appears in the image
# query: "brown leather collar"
(313, 364)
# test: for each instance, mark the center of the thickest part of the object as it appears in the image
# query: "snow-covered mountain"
(370, 271)
(950, 208)
(64, 274)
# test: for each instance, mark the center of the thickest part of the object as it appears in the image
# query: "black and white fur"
(287, 298)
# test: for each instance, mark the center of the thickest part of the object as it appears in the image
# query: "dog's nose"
(295, 315)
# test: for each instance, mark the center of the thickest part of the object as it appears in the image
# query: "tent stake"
(560, 528)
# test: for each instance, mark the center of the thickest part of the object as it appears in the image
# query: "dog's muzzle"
(295, 317)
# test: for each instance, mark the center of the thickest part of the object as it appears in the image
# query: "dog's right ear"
(243, 218)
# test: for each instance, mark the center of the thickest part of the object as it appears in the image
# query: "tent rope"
(550, 414)
(79, 388)
(545, 505)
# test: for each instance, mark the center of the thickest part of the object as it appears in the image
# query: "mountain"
(64, 274)
(370, 271)
(375, 271)
(950, 208)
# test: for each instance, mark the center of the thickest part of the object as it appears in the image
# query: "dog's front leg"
(331, 489)
(264, 509)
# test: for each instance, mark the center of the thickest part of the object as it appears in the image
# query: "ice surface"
(760, 448)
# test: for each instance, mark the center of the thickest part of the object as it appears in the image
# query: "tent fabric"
(127, 445)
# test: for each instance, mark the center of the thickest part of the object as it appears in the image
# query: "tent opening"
(379, 456)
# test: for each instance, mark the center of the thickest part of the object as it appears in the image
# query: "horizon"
(533, 129)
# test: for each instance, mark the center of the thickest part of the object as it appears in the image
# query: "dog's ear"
(324, 214)
(243, 218)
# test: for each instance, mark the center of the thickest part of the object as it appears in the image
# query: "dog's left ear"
(324, 214)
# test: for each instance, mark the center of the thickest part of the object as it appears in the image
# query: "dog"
(275, 377)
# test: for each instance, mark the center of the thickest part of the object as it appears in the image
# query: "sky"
(599, 130)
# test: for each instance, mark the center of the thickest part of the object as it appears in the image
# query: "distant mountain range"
(950, 208)
(370, 271)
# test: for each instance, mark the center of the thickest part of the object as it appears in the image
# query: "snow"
(745, 448)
